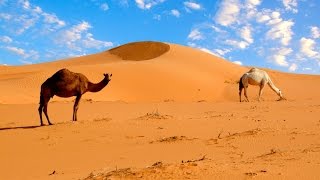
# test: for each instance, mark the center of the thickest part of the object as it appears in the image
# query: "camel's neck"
(92, 87)
(272, 86)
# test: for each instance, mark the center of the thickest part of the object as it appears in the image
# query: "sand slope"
(181, 74)
(170, 112)
(178, 74)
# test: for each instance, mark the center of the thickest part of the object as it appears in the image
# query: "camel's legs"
(245, 93)
(240, 92)
(260, 91)
(43, 107)
(76, 107)
(40, 113)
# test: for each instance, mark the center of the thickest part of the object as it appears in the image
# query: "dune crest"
(138, 51)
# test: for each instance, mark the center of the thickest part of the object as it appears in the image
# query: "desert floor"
(200, 140)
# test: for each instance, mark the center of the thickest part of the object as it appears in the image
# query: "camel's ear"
(110, 75)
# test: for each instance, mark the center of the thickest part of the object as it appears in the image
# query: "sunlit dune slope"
(151, 72)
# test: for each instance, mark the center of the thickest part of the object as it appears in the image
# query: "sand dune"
(181, 74)
(170, 112)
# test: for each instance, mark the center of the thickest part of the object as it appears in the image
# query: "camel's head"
(107, 77)
(281, 96)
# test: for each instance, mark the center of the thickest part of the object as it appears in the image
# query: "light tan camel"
(257, 77)
(65, 83)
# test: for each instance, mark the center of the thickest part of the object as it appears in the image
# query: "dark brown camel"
(65, 83)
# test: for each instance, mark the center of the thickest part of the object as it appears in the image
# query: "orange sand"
(170, 113)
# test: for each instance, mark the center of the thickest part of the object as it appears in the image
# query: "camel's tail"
(241, 84)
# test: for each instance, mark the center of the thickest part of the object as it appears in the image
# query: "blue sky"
(277, 34)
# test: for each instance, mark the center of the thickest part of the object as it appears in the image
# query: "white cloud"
(228, 12)
(238, 62)
(263, 17)
(253, 3)
(221, 52)
(32, 54)
(208, 51)
(280, 60)
(250, 7)
(290, 5)
(73, 34)
(280, 30)
(307, 69)
(147, 4)
(90, 42)
(293, 67)
(280, 56)
(307, 47)
(245, 34)
(104, 7)
(76, 38)
(237, 44)
(215, 52)
(25, 22)
(84, 26)
(53, 19)
(36, 11)
(22, 16)
(315, 32)
(16, 50)
(275, 18)
(5, 39)
(23, 53)
(195, 35)
(192, 44)
(192, 5)
(5, 16)
(216, 29)
(25, 4)
(157, 17)
(175, 13)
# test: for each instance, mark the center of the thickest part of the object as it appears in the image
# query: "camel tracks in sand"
(252, 132)
(255, 173)
(173, 139)
(188, 169)
(155, 115)
(104, 119)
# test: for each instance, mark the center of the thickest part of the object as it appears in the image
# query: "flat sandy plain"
(169, 112)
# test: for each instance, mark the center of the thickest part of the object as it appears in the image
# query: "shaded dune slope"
(138, 51)
(171, 73)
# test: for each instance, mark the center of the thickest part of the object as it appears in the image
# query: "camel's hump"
(63, 73)
(254, 69)
(64, 70)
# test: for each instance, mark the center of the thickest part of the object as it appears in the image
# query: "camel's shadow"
(19, 127)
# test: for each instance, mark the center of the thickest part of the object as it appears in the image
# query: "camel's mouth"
(139, 51)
